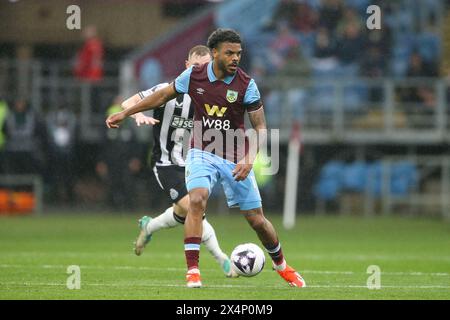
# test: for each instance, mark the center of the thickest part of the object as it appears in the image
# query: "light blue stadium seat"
(401, 54)
(307, 43)
(359, 5)
(404, 178)
(322, 94)
(355, 97)
(151, 73)
(356, 93)
(333, 170)
(355, 176)
(361, 176)
(297, 99)
(330, 181)
(327, 190)
(272, 103)
(428, 45)
(375, 178)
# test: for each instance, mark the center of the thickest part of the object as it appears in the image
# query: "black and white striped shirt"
(171, 135)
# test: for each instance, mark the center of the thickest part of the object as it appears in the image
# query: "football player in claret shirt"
(221, 93)
(172, 122)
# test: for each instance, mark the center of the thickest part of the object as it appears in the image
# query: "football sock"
(192, 251)
(169, 219)
(277, 257)
(165, 220)
(209, 239)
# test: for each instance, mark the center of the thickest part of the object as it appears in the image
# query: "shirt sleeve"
(182, 82)
(146, 93)
(252, 98)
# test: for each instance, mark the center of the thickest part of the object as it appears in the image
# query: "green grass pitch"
(332, 253)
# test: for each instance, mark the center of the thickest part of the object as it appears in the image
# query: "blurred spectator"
(298, 67)
(286, 11)
(447, 79)
(281, 45)
(373, 65)
(120, 162)
(419, 68)
(306, 19)
(89, 60)
(330, 14)
(428, 45)
(62, 133)
(89, 65)
(419, 99)
(3, 113)
(350, 17)
(427, 14)
(325, 46)
(416, 69)
(25, 140)
(325, 62)
(295, 64)
(258, 69)
(380, 39)
(350, 45)
(333, 36)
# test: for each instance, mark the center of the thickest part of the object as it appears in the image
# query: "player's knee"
(182, 206)
(257, 222)
(198, 201)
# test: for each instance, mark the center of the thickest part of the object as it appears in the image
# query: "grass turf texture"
(332, 253)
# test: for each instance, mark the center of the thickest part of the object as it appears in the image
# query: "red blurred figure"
(89, 62)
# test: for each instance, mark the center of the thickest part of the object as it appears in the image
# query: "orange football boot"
(292, 277)
(193, 279)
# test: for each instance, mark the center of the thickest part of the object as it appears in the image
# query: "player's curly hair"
(223, 35)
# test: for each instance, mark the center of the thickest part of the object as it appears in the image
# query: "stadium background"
(372, 105)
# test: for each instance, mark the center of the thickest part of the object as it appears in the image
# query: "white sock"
(281, 266)
(165, 220)
(209, 239)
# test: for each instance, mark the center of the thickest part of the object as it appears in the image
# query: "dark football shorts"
(171, 180)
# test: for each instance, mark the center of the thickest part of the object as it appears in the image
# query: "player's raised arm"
(128, 103)
(139, 117)
(152, 101)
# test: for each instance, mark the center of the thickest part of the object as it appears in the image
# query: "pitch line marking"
(47, 266)
(357, 257)
(55, 284)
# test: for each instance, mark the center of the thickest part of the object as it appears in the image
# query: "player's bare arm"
(153, 101)
(243, 168)
(139, 117)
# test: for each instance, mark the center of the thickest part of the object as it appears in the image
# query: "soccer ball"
(247, 259)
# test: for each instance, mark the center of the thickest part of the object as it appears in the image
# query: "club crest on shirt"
(173, 194)
(232, 96)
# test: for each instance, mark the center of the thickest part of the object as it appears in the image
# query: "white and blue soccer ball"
(247, 259)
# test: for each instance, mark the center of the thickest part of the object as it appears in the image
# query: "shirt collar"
(212, 77)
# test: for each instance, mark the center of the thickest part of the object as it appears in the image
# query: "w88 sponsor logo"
(217, 124)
